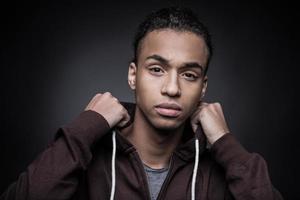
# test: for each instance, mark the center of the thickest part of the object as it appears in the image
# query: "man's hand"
(110, 108)
(211, 117)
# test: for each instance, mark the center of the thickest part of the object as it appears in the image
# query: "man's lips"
(168, 109)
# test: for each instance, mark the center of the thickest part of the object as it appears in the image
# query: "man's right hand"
(110, 108)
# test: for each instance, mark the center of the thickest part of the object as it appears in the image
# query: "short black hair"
(176, 18)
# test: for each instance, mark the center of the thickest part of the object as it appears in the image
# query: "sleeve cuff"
(88, 127)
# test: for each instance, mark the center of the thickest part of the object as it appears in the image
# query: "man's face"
(170, 71)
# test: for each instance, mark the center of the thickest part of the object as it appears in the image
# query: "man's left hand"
(212, 120)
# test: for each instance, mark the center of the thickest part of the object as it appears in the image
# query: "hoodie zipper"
(167, 180)
(144, 177)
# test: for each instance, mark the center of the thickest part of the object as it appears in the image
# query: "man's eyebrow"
(193, 65)
(158, 58)
(166, 62)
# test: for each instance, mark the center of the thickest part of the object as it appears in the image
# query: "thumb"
(194, 127)
(195, 122)
(124, 121)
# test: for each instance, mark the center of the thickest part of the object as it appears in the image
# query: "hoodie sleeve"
(54, 174)
(246, 173)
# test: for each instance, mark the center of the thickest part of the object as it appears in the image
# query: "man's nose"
(171, 85)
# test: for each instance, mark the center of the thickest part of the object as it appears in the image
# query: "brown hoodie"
(78, 165)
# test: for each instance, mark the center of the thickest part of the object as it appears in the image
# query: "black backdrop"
(56, 55)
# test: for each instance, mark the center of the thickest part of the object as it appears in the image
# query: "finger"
(92, 102)
(115, 99)
(202, 103)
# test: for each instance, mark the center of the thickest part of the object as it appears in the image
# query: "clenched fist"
(110, 108)
(211, 118)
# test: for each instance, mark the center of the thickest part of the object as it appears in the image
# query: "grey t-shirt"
(156, 178)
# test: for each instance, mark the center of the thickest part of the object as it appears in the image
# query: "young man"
(168, 145)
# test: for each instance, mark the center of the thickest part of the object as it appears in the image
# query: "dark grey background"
(56, 56)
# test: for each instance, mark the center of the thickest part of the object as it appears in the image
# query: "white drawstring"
(195, 168)
(113, 167)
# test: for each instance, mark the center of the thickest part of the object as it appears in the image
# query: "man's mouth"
(168, 109)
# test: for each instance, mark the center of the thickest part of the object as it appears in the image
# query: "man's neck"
(154, 146)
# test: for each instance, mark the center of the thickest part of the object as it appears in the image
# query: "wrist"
(213, 138)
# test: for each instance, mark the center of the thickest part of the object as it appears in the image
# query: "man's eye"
(190, 76)
(156, 70)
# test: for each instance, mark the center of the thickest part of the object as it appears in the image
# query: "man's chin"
(167, 125)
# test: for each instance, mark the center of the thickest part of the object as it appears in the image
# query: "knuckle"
(115, 99)
(217, 104)
(210, 105)
(98, 95)
(107, 94)
(124, 112)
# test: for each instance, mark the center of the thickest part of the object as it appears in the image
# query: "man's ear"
(204, 87)
(132, 70)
